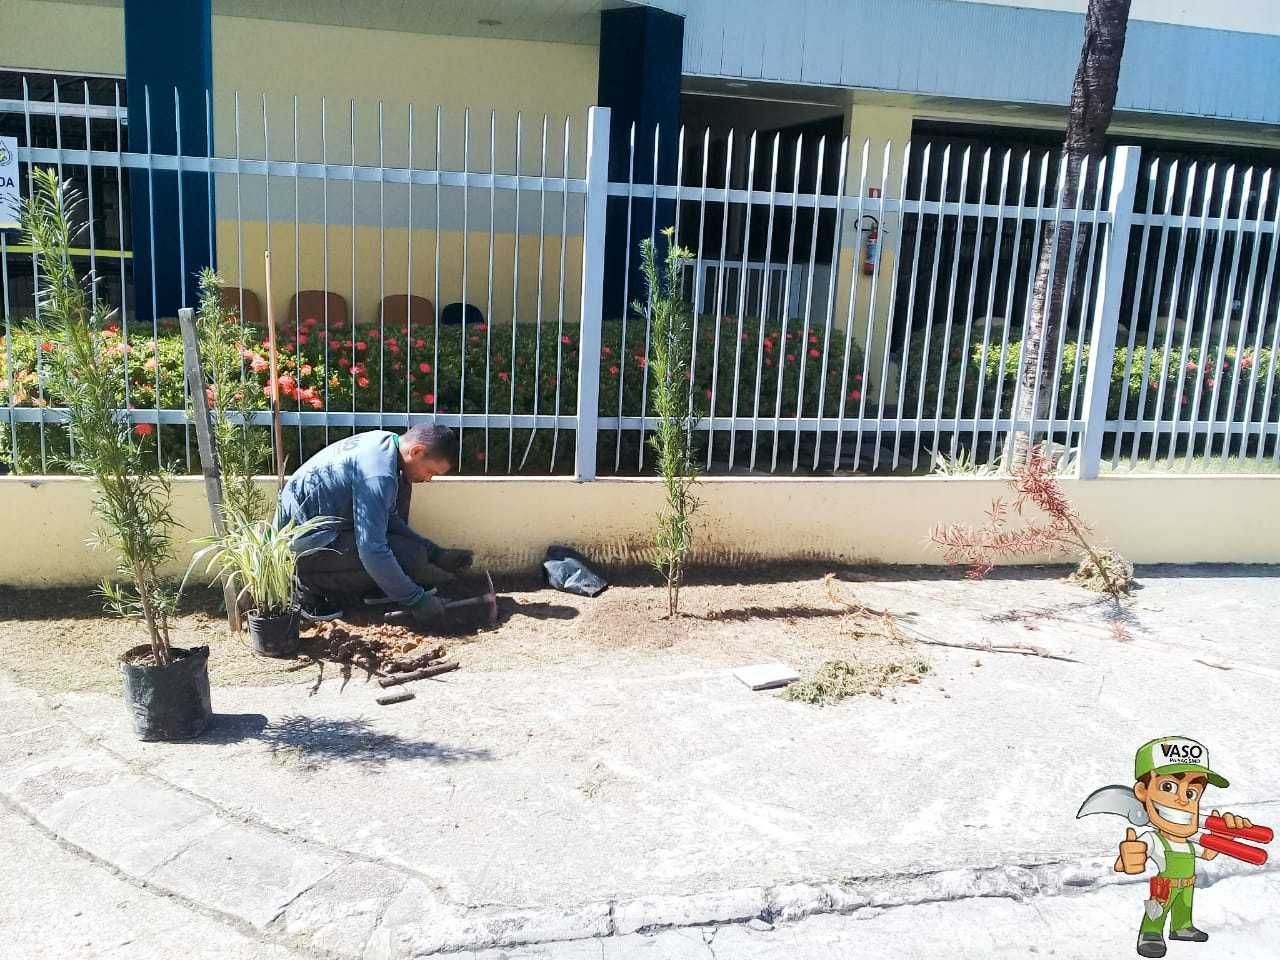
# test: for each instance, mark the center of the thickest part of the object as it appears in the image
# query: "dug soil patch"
(60, 639)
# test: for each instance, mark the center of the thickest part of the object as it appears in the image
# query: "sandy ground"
(60, 640)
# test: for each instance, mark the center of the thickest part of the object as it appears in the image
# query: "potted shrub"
(259, 561)
(165, 687)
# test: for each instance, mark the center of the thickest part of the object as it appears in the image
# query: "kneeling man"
(365, 483)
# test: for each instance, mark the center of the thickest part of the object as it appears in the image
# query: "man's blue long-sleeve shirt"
(356, 481)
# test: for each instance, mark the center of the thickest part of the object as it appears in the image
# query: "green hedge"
(1180, 374)
(344, 373)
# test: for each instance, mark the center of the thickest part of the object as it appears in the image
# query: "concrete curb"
(330, 902)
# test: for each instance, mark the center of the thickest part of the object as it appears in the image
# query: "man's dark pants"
(337, 573)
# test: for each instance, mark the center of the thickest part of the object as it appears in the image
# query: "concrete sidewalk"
(500, 809)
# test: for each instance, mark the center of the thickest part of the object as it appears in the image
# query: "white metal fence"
(810, 353)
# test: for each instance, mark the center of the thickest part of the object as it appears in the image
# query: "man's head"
(1171, 775)
(426, 452)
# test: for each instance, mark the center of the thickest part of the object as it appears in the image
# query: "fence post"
(592, 292)
(1106, 312)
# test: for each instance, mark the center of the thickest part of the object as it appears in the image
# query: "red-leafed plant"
(1061, 530)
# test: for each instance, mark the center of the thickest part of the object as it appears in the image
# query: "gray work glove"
(454, 561)
(427, 611)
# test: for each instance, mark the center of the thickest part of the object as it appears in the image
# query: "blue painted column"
(168, 46)
(641, 52)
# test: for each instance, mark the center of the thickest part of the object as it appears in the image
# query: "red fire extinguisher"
(871, 239)
(871, 247)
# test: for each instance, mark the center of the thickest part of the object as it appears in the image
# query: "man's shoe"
(1151, 945)
(315, 608)
(1189, 933)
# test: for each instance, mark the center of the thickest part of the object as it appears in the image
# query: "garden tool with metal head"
(431, 610)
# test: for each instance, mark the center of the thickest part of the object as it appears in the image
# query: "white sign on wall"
(10, 198)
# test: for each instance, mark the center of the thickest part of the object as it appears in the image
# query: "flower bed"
(469, 370)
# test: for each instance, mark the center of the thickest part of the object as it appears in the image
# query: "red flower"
(855, 394)
(1191, 366)
(361, 345)
(814, 353)
(310, 322)
(857, 377)
(144, 429)
(613, 370)
(392, 342)
(419, 344)
(606, 352)
(768, 344)
(565, 338)
(344, 362)
(111, 330)
(482, 327)
(335, 345)
(474, 339)
(503, 376)
(424, 367)
(210, 394)
(288, 384)
(791, 358)
(302, 339)
(46, 346)
(259, 364)
(363, 382)
(316, 403)
(429, 399)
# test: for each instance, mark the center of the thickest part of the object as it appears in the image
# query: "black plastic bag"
(567, 570)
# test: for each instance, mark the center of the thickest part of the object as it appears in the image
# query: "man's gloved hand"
(454, 560)
(427, 611)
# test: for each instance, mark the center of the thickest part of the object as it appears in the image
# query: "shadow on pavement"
(316, 740)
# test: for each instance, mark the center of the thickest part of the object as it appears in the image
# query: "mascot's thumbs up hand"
(1133, 854)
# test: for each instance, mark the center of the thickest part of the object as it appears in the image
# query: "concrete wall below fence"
(44, 522)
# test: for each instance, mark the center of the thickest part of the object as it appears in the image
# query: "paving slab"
(57, 905)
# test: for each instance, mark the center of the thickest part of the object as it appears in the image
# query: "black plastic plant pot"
(275, 636)
(167, 703)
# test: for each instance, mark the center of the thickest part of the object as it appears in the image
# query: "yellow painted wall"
(371, 283)
(44, 523)
(66, 37)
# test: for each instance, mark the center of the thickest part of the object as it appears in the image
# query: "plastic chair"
(308, 304)
(400, 310)
(236, 299)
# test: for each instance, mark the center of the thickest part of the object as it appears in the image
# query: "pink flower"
(855, 394)
(122, 349)
(857, 377)
(343, 362)
(814, 353)
(429, 399)
(316, 403)
(363, 382)
(361, 345)
(259, 364)
(150, 364)
(503, 376)
(305, 370)
(564, 339)
(424, 368)
(335, 345)
(613, 370)
(419, 344)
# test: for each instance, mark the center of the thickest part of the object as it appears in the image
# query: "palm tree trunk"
(1093, 99)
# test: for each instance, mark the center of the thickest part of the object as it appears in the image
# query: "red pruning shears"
(1218, 836)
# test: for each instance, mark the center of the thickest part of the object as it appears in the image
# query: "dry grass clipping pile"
(835, 680)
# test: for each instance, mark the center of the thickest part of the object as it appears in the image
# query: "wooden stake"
(208, 452)
(399, 678)
(395, 698)
(277, 436)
